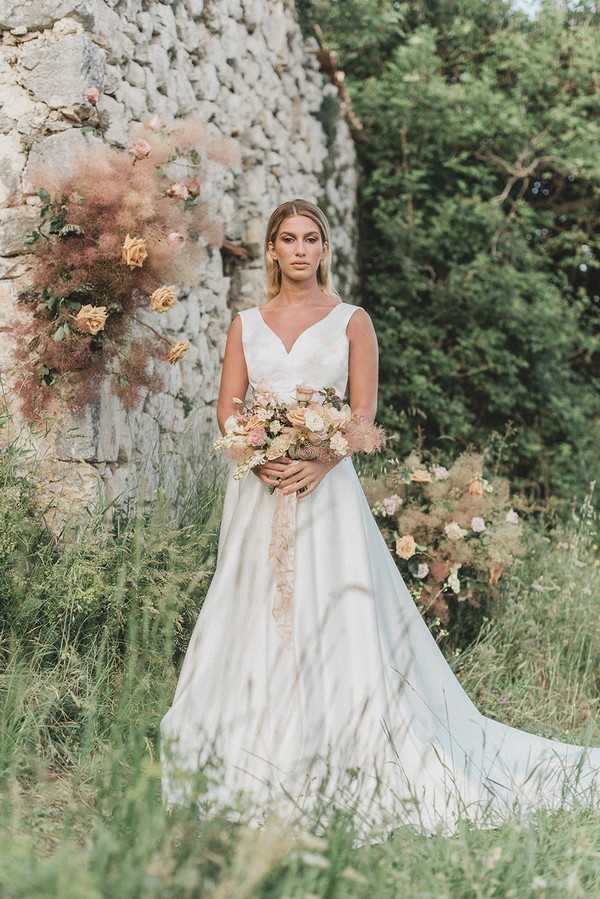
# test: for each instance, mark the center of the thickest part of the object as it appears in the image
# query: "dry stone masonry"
(245, 68)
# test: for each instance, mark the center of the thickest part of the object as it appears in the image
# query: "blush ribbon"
(282, 553)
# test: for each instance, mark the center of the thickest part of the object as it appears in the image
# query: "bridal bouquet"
(266, 429)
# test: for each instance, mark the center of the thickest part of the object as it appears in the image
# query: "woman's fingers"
(297, 471)
(300, 481)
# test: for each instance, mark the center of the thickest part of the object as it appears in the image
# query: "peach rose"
(296, 416)
(406, 546)
(476, 487)
(177, 351)
(421, 476)
(133, 251)
(162, 299)
(304, 393)
(495, 573)
(90, 319)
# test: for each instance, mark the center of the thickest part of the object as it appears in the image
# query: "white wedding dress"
(360, 710)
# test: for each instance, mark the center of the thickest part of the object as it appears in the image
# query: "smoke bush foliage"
(479, 221)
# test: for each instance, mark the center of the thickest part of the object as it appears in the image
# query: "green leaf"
(61, 332)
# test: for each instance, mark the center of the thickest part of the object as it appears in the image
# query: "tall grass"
(93, 629)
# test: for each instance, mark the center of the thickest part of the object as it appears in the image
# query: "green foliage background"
(479, 213)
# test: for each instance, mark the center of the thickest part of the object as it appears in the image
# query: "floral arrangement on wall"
(119, 239)
(453, 531)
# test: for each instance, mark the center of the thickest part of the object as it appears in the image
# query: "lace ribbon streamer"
(282, 553)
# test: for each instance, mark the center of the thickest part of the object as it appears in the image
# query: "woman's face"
(298, 247)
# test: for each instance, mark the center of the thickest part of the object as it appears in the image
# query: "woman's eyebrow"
(291, 233)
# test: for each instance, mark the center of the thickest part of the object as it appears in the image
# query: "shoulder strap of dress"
(248, 317)
(346, 312)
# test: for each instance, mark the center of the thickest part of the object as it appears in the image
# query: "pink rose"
(257, 437)
(92, 95)
(140, 149)
(178, 190)
(176, 238)
(391, 504)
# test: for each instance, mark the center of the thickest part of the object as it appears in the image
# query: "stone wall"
(244, 67)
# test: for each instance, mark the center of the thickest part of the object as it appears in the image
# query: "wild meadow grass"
(93, 628)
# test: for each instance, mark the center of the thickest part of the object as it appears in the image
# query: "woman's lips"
(300, 264)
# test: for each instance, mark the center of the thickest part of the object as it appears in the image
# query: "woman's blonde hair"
(273, 271)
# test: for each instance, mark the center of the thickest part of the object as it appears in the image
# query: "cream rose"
(454, 531)
(279, 446)
(339, 444)
(313, 421)
(406, 546)
(453, 581)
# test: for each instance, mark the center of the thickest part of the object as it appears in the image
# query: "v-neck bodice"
(318, 357)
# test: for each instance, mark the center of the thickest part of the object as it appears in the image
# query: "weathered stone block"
(43, 13)
(12, 161)
(15, 224)
(59, 72)
(63, 150)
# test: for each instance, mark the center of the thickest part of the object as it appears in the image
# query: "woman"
(355, 706)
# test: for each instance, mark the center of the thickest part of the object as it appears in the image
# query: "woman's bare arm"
(234, 374)
(363, 365)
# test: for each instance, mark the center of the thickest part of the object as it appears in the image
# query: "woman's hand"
(270, 473)
(304, 476)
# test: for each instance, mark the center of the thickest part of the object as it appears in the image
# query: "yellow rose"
(162, 299)
(133, 251)
(406, 546)
(91, 319)
(177, 351)
(420, 476)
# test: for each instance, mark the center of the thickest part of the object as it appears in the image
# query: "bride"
(358, 710)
